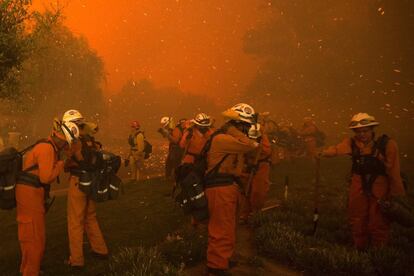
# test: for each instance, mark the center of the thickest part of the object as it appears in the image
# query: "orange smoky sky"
(194, 45)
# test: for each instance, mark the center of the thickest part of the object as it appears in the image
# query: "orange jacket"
(194, 144)
(236, 144)
(45, 156)
(176, 135)
(391, 160)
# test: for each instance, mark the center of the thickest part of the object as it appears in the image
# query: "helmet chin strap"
(60, 144)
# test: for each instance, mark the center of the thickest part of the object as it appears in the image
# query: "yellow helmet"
(362, 120)
(165, 121)
(65, 130)
(72, 115)
(202, 119)
(241, 112)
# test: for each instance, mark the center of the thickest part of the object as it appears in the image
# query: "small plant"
(186, 247)
(388, 261)
(139, 261)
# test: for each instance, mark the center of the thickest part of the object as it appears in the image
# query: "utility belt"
(75, 172)
(360, 173)
(29, 179)
(32, 180)
(367, 180)
(220, 179)
(85, 179)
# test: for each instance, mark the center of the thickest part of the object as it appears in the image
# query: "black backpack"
(105, 184)
(11, 163)
(190, 181)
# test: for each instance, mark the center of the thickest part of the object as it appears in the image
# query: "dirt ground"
(248, 262)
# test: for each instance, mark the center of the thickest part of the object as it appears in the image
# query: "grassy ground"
(286, 233)
(137, 225)
(144, 215)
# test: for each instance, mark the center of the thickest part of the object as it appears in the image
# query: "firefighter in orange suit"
(81, 210)
(225, 163)
(193, 140)
(375, 175)
(41, 167)
(260, 181)
(195, 137)
(175, 153)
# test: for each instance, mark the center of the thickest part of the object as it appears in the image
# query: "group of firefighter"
(242, 146)
(237, 148)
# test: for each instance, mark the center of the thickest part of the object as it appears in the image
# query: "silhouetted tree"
(14, 44)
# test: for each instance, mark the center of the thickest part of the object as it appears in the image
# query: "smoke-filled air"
(184, 137)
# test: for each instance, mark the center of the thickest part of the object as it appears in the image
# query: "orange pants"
(259, 189)
(31, 228)
(368, 225)
(82, 217)
(222, 205)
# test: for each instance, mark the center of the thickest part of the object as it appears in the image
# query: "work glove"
(60, 165)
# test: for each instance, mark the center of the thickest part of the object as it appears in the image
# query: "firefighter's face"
(364, 134)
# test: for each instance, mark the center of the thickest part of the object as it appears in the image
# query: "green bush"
(139, 261)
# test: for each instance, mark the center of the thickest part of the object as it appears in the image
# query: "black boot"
(100, 256)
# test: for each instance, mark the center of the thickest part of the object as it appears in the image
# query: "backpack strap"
(24, 151)
(354, 149)
(215, 169)
(381, 144)
(213, 177)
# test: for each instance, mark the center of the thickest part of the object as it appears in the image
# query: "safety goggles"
(362, 122)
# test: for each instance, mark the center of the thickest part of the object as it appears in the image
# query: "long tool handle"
(316, 195)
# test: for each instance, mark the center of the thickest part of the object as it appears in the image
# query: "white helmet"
(245, 113)
(72, 115)
(70, 130)
(254, 131)
(202, 119)
(165, 121)
(362, 120)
